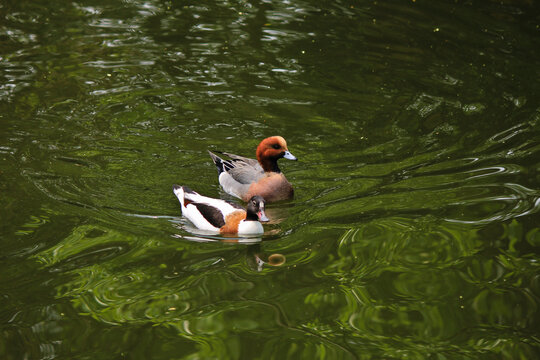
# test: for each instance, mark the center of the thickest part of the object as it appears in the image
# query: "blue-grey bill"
(289, 156)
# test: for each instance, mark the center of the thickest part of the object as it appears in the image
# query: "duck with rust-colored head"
(244, 178)
(221, 216)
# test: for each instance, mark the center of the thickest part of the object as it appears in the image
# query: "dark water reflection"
(414, 230)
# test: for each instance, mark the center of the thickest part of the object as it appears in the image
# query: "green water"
(414, 232)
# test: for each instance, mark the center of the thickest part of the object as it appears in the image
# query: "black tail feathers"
(218, 161)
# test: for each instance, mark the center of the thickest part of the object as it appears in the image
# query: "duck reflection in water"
(255, 256)
(256, 259)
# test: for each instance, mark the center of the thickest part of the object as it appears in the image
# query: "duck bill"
(289, 156)
(262, 216)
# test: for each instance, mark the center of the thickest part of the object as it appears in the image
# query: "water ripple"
(413, 232)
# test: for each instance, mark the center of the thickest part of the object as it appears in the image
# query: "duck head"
(270, 150)
(255, 209)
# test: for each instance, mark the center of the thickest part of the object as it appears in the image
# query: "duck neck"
(269, 165)
(251, 216)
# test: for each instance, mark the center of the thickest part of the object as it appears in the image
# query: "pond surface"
(414, 232)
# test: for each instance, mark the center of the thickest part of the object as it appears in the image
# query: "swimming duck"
(219, 215)
(243, 177)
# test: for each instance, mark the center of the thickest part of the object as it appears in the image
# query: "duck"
(222, 216)
(244, 177)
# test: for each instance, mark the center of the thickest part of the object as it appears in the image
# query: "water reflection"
(414, 228)
(256, 258)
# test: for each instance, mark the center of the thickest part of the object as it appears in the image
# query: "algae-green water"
(414, 231)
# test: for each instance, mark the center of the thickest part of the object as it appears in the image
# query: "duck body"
(244, 177)
(219, 215)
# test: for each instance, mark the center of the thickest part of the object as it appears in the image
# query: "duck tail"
(220, 163)
(184, 189)
(179, 192)
(184, 195)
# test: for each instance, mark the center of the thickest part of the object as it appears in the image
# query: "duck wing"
(212, 214)
(241, 169)
(245, 173)
(251, 162)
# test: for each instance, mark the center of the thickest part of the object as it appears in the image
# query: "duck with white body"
(221, 216)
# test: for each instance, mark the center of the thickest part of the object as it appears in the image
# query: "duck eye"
(276, 146)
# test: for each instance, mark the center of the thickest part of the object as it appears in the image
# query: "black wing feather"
(211, 214)
(226, 164)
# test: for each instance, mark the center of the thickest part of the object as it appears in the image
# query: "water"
(414, 230)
